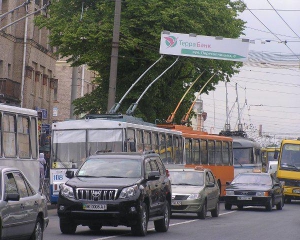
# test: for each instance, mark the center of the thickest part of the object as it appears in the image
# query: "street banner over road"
(192, 45)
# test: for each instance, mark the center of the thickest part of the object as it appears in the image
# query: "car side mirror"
(276, 154)
(12, 197)
(154, 175)
(69, 174)
(210, 184)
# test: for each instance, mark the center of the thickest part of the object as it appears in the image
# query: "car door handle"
(22, 206)
(36, 203)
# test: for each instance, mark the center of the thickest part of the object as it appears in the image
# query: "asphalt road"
(252, 223)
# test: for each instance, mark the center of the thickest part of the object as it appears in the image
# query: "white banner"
(191, 45)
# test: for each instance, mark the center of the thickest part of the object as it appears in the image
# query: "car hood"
(184, 189)
(249, 187)
(86, 182)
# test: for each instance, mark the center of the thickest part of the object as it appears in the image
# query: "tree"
(82, 31)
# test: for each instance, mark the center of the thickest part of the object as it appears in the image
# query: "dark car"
(254, 189)
(112, 189)
(23, 211)
(194, 191)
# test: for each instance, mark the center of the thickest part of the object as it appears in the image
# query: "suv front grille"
(96, 194)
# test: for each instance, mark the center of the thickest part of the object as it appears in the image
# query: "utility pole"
(73, 90)
(114, 56)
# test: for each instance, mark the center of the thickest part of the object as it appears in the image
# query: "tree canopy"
(82, 31)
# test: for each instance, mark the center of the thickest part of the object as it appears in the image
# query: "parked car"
(23, 211)
(194, 191)
(112, 189)
(255, 189)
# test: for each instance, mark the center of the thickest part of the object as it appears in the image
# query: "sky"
(267, 89)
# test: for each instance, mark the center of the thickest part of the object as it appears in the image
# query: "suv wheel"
(162, 225)
(202, 213)
(140, 229)
(280, 204)
(67, 227)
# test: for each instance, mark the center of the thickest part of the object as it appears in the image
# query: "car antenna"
(133, 106)
(172, 116)
(185, 118)
(116, 106)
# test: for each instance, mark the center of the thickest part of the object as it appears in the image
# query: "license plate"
(244, 198)
(176, 203)
(95, 207)
(296, 191)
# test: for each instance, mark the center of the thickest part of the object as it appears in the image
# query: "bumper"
(292, 192)
(119, 212)
(46, 222)
(186, 206)
(255, 201)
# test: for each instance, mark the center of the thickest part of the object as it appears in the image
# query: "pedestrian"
(42, 165)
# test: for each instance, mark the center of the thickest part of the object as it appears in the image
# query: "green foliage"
(85, 37)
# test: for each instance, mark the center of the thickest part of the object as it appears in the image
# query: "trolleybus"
(19, 141)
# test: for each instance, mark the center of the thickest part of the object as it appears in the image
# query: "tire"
(240, 207)
(162, 225)
(215, 212)
(202, 213)
(95, 227)
(269, 205)
(67, 227)
(279, 205)
(38, 230)
(140, 229)
(228, 206)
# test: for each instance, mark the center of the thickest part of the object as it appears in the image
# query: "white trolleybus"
(19, 141)
(74, 140)
(246, 152)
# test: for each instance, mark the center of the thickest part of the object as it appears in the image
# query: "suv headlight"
(66, 191)
(194, 196)
(129, 192)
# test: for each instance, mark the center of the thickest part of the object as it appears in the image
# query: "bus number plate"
(95, 207)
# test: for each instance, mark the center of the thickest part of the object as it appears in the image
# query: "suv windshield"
(118, 168)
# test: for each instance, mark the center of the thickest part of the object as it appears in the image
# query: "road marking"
(174, 224)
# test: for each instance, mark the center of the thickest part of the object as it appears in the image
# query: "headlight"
(194, 196)
(66, 191)
(229, 193)
(129, 191)
(262, 194)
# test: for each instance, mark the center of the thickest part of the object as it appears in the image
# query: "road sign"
(192, 45)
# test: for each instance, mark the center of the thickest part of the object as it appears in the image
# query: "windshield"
(290, 157)
(186, 178)
(71, 147)
(117, 168)
(260, 179)
(242, 155)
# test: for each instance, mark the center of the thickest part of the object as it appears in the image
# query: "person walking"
(42, 166)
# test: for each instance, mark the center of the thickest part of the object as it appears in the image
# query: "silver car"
(194, 191)
(23, 211)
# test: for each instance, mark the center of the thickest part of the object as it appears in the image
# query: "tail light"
(167, 173)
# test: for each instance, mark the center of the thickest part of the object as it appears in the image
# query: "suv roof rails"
(102, 151)
(149, 151)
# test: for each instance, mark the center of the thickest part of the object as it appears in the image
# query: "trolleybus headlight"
(66, 191)
(194, 196)
(229, 193)
(129, 191)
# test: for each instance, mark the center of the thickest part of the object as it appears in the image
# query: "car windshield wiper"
(87, 176)
(286, 165)
(111, 176)
(183, 184)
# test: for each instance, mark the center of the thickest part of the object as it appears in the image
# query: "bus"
(288, 170)
(269, 155)
(246, 152)
(19, 141)
(73, 141)
(208, 150)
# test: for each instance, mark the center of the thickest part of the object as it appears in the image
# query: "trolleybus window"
(9, 135)
(211, 152)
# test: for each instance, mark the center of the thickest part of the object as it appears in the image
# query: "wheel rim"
(144, 220)
(167, 217)
(38, 231)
